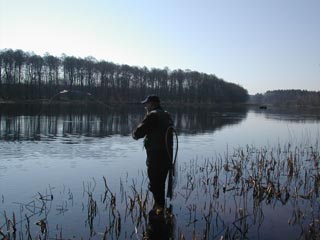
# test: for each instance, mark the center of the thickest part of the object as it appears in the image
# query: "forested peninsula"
(27, 77)
(288, 98)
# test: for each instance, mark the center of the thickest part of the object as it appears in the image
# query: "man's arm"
(144, 127)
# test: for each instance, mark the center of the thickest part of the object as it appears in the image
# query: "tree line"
(289, 97)
(28, 76)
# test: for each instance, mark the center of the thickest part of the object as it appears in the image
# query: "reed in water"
(248, 192)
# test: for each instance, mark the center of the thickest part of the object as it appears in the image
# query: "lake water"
(65, 154)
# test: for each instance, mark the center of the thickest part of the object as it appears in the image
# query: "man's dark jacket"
(155, 128)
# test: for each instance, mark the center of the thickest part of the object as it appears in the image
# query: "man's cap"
(151, 98)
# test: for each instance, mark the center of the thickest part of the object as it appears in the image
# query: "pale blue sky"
(260, 44)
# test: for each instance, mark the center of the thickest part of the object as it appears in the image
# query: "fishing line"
(172, 170)
(73, 91)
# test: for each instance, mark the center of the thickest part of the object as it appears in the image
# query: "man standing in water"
(156, 128)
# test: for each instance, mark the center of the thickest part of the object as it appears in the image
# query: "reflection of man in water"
(158, 140)
(161, 227)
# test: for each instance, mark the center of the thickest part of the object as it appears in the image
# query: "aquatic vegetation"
(231, 196)
(246, 193)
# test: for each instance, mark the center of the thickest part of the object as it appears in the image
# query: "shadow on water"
(18, 123)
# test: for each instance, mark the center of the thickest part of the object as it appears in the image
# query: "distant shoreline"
(114, 103)
(47, 102)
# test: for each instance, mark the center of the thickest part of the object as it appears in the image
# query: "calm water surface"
(67, 153)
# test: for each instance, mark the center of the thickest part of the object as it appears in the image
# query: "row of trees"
(26, 75)
(288, 98)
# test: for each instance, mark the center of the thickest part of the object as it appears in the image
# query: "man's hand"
(134, 136)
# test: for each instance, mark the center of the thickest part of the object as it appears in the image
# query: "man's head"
(150, 102)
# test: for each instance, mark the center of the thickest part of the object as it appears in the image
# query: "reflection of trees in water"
(200, 120)
(39, 127)
(290, 114)
(25, 123)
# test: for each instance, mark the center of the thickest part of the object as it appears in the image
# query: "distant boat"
(263, 107)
